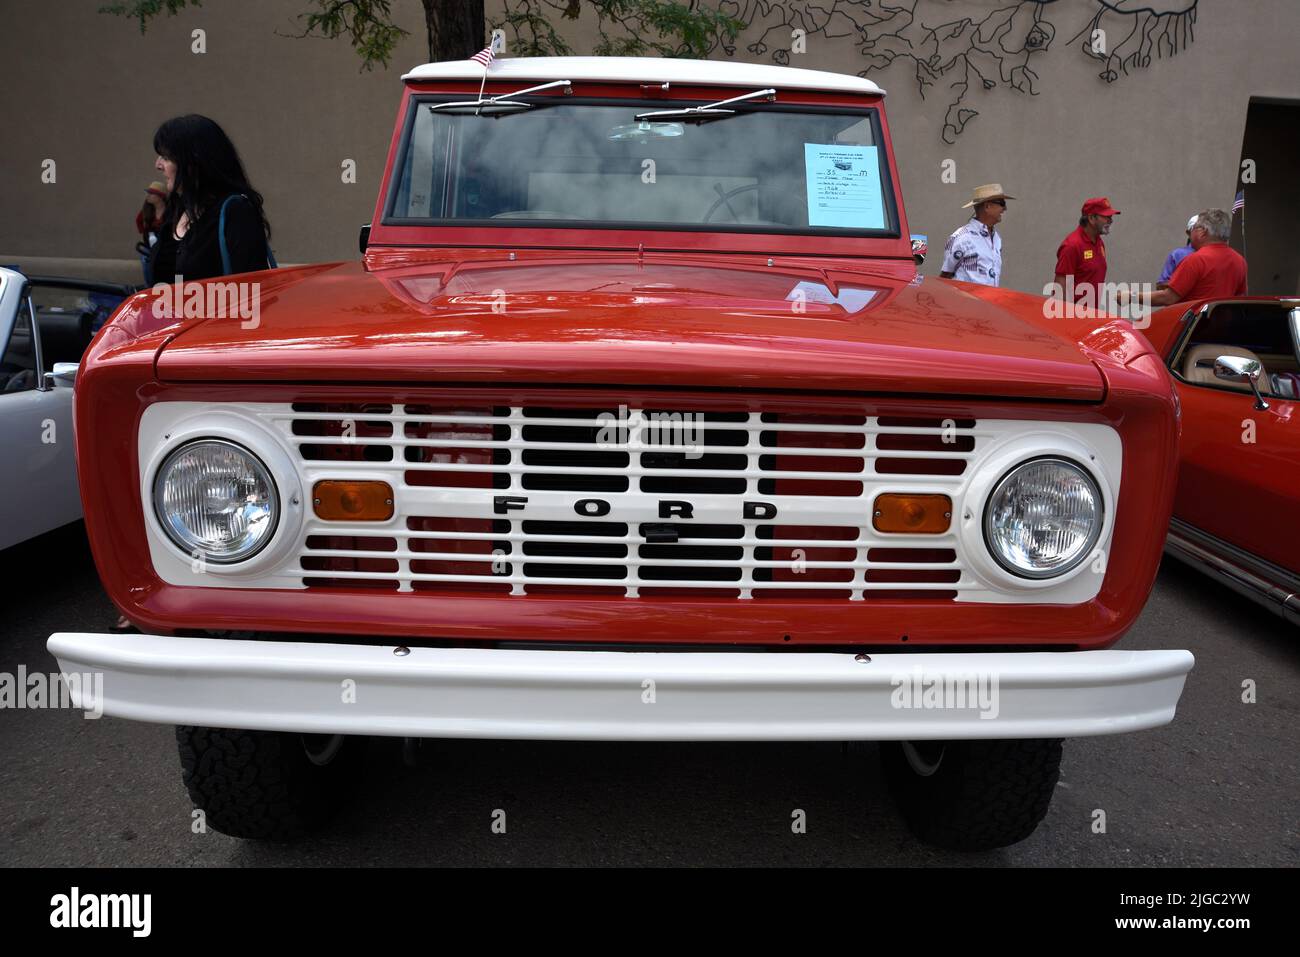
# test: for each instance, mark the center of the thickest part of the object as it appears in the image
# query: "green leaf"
(146, 10)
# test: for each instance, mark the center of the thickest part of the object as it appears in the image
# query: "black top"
(197, 254)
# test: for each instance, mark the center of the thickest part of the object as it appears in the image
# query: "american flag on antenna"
(1239, 203)
(489, 52)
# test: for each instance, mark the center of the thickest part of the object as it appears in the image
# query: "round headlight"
(1043, 518)
(217, 499)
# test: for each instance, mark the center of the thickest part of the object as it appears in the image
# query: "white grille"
(450, 463)
(532, 500)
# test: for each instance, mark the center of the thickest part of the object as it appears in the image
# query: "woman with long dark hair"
(213, 223)
(209, 198)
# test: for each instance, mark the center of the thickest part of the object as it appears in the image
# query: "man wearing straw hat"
(974, 251)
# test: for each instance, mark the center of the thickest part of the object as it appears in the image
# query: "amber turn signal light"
(916, 514)
(339, 501)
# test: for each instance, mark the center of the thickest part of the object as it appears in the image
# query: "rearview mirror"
(1241, 369)
(64, 375)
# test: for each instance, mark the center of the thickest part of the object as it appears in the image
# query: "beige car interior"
(1279, 376)
(1198, 366)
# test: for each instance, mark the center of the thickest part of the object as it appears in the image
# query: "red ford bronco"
(633, 422)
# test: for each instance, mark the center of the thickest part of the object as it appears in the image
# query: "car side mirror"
(1241, 369)
(64, 375)
(363, 240)
(920, 248)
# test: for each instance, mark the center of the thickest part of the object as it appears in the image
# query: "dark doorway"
(1267, 230)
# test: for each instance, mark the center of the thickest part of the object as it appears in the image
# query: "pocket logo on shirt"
(1087, 254)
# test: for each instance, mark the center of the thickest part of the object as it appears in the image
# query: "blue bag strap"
(221, 235)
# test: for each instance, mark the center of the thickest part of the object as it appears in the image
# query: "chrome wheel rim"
(924, 757)
(321, 749)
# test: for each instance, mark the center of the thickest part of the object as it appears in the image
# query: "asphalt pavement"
(1217, 787)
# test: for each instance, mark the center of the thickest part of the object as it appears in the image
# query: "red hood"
(620, 320)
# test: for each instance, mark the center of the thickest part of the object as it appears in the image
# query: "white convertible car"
(45, 325)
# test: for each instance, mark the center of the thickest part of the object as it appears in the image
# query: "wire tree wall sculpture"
(953, 51)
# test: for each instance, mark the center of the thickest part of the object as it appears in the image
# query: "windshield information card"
(843, 186)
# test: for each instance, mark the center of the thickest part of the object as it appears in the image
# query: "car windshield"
(761, 169)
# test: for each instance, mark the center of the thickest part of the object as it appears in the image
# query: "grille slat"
(464, 443)
(680, 583)
(451, 465)
(343, 528)
(635, 471)
(596, 559)
(586, 423)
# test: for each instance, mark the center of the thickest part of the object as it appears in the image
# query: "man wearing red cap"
(1081, 257)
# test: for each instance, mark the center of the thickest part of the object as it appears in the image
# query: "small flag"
(1239, 203)
(492, 50)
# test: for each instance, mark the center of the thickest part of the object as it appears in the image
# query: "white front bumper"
(635, 695)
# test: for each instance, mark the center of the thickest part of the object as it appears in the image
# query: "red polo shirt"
(1215, 271)
(1085, 260)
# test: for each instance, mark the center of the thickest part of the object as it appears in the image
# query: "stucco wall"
(87, 90)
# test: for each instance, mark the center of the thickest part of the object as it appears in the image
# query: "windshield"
(767, 169)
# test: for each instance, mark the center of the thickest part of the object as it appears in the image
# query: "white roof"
(648, 70)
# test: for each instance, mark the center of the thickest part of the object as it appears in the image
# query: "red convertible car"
(1236, 367)
(634, 422)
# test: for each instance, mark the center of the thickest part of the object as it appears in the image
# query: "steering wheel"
(724, 199)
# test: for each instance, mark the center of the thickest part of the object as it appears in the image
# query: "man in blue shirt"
(1176, 256)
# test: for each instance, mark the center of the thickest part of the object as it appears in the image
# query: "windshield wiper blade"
(709, 111)
(501, 103)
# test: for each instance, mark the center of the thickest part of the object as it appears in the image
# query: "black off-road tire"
(262, 784)
(979, 795)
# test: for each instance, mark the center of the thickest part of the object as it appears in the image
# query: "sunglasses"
(998, 202)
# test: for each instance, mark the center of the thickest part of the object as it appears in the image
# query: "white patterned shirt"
(974, 254)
